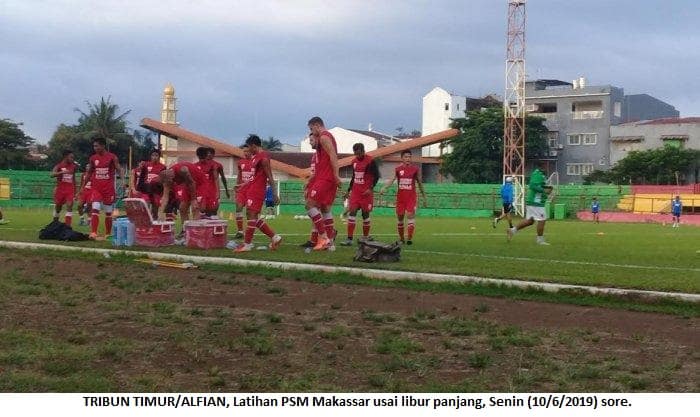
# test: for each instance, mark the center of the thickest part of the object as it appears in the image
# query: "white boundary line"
(370, 273)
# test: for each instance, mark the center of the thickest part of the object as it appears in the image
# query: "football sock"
(399, 227)
(365, 227)
(351, 227)
(69, 218)
(411, 228)
(265, 228)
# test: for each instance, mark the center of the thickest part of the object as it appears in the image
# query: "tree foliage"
(653, 166)
(271, 144)
(106, 119)
(477, 153)
(14, 145)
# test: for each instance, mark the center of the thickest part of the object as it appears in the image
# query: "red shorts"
(253, 200)
(153, 199)
(104, 194)
(64, 195)
(363, 202)
(207, 201)
(406, 205)
(322, 191)
(182, 194)
(85, 196)
(240, 197)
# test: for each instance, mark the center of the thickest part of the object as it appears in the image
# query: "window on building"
(447, 106)
(617, 109)
(574, 139)
(590, 138)
(553, 139)
(547, 107)
(586, 169)
(573, 169)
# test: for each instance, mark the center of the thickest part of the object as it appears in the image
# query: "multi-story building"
(579, 118)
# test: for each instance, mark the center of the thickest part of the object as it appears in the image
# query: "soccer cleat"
(323, 243)
(246, 247)
(541, 241)
(308, 244)
(495, 220)
(510, 233)
(346, 242)
(409, 242)
(238, 235)
(93, 236)
(276, 241)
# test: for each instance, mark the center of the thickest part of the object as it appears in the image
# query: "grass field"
(640, 256)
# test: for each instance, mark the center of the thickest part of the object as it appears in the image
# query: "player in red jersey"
(312, 169)
(218, 173)
(365, 176)
(407, 175)
(255, 195)
(64, 172)
(323, 185)
(102, 170)
(84, 197)
(187, 181)
(147, 173)
(206, 195)
(245, 172)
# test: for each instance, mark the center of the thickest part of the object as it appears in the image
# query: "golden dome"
(169, 90)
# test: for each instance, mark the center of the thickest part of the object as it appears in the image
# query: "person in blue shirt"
(507, 195)
(269, 203)
(676, 208)
(595, 209)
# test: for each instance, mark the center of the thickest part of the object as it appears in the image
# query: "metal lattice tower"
(514, 103)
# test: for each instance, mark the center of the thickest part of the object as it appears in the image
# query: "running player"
(64, 172)
(507, 196)
(255, 194)
(595, 209)
(242, 180)
(323, 185)
(365, 176)
(407, 176)
(676, 209)
(537, 193)
(218, 173)
(102, 170)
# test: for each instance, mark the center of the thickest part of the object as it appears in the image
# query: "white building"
(345, 139)
(439, 107)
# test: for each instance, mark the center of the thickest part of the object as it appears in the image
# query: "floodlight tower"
(514, 103)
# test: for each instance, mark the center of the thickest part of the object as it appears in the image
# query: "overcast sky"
(267, 66)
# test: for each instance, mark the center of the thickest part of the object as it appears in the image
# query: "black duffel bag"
(373, 251)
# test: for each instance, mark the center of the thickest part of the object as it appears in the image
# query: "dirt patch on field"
(77, 325)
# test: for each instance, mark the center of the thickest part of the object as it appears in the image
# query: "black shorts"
(507, 207)
(269, 203)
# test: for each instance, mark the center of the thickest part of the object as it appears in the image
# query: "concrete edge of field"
(369, 273)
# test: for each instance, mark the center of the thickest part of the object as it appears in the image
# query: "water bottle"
(116, 232)
(129, 233)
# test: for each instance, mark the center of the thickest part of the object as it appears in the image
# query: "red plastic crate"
(205, 234)
(156, 235)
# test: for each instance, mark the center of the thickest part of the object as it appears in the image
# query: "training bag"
(61, 231)
(373, 251)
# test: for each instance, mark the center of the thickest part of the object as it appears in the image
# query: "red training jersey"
(104, 169)
(197, 175)
(362, 179)
(66, 179)
(152, 170)
(258, 179)
(245, 168)
(406, 175)
(323, 168)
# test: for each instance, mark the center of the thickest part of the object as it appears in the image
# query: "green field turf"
(640, 256)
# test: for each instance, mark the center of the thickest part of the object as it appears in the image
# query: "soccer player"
(537, 193)
(242, 180)
(64, 172)
(207, 195)
(147, 173)
(676, 209)
(269, 202)
(313, 239)
(507, 195)
(218, 173)
(365, 176)
(323, 185)
(84, 197)
(102, 170)
(595, 209)
(407, 177)
(188, 184)
(255, 194)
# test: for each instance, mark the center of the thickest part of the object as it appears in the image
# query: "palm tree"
(103, 118)
(272, 144)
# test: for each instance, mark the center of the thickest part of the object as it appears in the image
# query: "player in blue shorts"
(269, 203)
(676, 209)
(595, 209)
